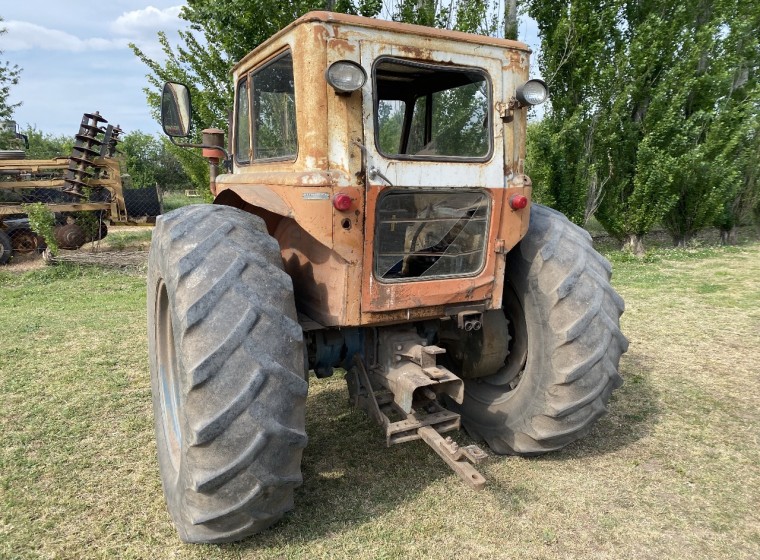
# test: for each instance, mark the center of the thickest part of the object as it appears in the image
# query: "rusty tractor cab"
(375, 217)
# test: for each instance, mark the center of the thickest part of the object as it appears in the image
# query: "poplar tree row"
(655, 114)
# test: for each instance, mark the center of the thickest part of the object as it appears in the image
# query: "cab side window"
(243, 123)
(274, 111)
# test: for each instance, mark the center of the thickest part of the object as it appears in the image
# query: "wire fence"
(74, 199)
(78, 220)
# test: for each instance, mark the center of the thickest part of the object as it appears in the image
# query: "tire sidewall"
(171, 478)
(237, 402)
(573, 343)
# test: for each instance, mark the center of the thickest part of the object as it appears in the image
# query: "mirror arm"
(207, 146)
(227, 161)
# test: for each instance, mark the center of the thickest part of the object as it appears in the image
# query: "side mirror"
(176, 110)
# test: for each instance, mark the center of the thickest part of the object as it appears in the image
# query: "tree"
(148, 162)
(9, 76)
(471, 16)
(47, 146)
(640, 106)
(738, 129)
(580, 41)
(698, 117)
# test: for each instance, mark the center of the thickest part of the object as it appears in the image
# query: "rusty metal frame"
(111, 180)
(327, 252)
(427, 425)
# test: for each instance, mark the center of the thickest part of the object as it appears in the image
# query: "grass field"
(173, 200)
(672, 472)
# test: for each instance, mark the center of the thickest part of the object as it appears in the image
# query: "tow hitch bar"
(426, 422)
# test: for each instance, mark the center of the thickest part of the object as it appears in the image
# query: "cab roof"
(334, 18)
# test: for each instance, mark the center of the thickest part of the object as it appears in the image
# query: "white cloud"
(22, 35)
(138, 26)
(147, 21)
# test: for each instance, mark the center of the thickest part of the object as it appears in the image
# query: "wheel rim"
(168, 380)
(514, 365)
(24, 241)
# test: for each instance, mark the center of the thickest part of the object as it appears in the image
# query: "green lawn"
(173, 200)
(672, 472)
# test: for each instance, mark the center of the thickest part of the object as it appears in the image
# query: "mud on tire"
(565, 348)
(227, 372)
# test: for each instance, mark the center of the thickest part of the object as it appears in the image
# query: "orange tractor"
(375, 217)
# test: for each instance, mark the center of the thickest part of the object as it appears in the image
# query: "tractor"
(372, 216)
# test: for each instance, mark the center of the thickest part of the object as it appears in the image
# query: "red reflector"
(518, 202)
(342, 202)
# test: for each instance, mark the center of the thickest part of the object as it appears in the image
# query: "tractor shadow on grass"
(633, 413)
(350, 477)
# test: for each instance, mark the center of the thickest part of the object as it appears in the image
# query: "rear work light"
(345, 76)
(532, 92)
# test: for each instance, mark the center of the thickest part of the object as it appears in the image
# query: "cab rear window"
(427, 111)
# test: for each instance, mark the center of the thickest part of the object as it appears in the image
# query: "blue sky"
(75, 59)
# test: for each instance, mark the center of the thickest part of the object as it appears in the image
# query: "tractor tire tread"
(241, 347)
(583, 341)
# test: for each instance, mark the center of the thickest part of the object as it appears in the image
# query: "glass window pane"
(417, 136)
(450, 110)
(390, 117)
(242, 124)
(274, 125)
(421, 235)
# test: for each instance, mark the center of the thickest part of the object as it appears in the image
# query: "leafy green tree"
(640, 94)
(580, 40)
(9, 76)
(47, 146)
(141, 155)
(169, 171)
(695, 133)
(149, 162)
(537, 145)
(471, 16)
(737, 131)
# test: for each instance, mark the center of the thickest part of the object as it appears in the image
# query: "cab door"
(435, 176)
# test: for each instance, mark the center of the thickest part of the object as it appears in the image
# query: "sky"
(75, 59)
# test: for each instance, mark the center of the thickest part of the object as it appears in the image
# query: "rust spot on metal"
(343, 47)
(415, 52)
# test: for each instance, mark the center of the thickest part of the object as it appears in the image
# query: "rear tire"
(24, 241)
(565, 348)
(227, 375)
(6, 247)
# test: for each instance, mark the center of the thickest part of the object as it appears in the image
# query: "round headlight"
(532, 92)
(345, 76)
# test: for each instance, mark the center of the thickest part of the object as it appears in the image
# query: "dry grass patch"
(672, 472)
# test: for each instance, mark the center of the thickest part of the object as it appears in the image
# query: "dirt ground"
(20, 264)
